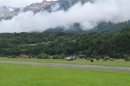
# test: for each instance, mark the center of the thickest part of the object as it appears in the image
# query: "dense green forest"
(57, 43)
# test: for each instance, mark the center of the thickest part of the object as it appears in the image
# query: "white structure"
(70, 58)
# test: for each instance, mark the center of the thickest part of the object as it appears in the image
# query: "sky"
(88, 15)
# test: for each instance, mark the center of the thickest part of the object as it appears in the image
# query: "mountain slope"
(9, 12)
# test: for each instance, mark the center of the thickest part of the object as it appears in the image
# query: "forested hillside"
(56, 43)
(110, 27)
(102, 28)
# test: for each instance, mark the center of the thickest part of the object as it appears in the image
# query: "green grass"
(27, 75)
(107, 63)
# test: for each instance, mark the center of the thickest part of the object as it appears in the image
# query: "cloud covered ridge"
(88, 16)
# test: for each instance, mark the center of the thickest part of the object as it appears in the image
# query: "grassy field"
(27, 75)
(107, 63)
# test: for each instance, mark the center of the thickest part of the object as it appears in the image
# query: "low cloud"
(88, 15)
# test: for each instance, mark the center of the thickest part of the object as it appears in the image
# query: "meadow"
(28, 75)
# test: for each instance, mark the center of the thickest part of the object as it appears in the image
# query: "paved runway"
(69, 65)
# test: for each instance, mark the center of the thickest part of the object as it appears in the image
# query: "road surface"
(69, 65)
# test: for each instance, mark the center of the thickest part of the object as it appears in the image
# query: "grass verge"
(27, 75)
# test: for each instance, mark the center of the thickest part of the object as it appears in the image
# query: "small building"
(81, 57)
(23, 56)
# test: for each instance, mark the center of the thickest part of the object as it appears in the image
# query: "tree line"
(57, 43)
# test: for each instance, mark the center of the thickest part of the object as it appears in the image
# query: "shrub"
(30, 57)
(62, 56)
(55, 57)
(43, 56)
(89, 58)
(106, 58)
(126, 57)
(13, 56)
(9, 56)
(111, 59)
(98, 57)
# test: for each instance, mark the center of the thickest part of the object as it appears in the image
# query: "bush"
(55, 57)
(62, 56)
(98, 57)
(43, 56)
(126, 57)
(111, 59)
(13, 56)
(9, 56)
(106, 58)
(89, 58)
(30, 57)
